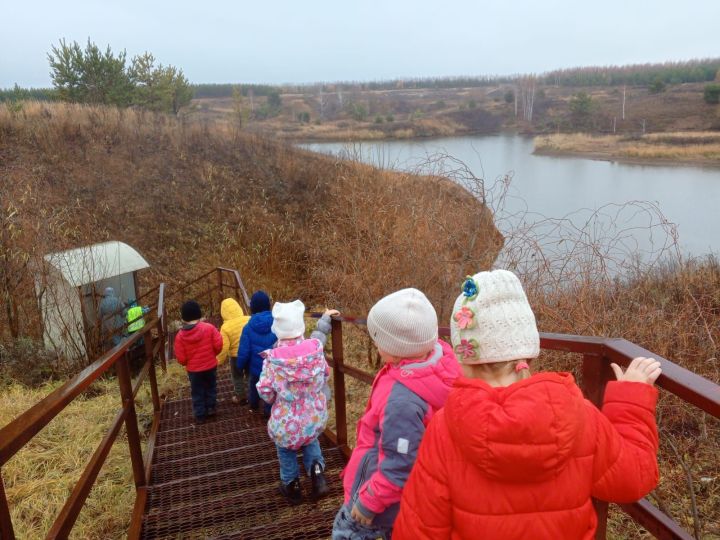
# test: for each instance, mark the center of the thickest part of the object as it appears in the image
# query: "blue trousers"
(289, 469)
(203, 389)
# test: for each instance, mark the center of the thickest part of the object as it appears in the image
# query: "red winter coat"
(197, 346)
(523, 461)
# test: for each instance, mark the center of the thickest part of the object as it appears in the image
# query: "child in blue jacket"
(256, 337)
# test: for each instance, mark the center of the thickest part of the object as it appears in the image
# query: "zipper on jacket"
(363, 472)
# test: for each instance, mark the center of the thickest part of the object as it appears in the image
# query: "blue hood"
(261, 322)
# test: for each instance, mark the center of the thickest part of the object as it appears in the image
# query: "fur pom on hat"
(288, 321)
(492, 320)
(403, 324)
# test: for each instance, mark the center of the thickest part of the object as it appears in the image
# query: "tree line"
(704, 70)
(91, 75)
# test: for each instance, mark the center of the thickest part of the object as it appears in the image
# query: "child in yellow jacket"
(234, 320)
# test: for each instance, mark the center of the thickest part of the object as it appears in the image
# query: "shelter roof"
(93, 263)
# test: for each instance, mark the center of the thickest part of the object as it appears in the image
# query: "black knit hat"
(190, 311)
(260, 301)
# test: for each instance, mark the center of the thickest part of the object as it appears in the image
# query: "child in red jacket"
(516, 456)
(197, 345)
(411, 387)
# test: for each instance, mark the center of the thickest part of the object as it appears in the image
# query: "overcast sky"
(277, 41)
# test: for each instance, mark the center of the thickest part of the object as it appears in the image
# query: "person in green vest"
(135, 319)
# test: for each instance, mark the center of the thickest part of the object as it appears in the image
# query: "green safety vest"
(135, 319)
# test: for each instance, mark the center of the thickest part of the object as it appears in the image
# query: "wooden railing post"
(131, 426)
(150, 357)
(596, 373)
(6, 526)
(339, 384)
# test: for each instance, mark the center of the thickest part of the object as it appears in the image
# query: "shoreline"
(546, 152)
(616, 158)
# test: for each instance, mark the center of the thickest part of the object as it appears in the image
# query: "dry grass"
(39, 478)
(190, 196)
(694, 147)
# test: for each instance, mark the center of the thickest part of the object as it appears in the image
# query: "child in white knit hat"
(516, 456)
(418, 372)
(294, 379)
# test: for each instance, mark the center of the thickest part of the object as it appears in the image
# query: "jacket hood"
(522, 432)
(230, 309)
(261, 323)
(432, 378)
(192, 333)
(300, 362)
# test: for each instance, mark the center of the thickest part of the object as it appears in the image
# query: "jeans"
(289, 469)
(254, 397)
(239, 377)
(203, 388)
(346, 528)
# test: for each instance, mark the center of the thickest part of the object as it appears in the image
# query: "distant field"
(411, 113)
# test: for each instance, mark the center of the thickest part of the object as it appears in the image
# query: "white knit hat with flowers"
(492, 320)
(288, 319)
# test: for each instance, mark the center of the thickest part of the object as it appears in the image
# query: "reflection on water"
(580, 190)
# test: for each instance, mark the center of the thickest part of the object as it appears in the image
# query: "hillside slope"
(190, 197)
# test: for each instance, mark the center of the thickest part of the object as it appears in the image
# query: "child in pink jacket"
(414, 383)
(294, 379)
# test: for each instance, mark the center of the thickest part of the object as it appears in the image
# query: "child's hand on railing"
(641, 369)
(331, 312)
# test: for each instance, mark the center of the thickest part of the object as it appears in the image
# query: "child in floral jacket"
(294, 379)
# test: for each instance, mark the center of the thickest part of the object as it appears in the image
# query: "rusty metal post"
(220, 287)
(339, 384)
(6, 526)
(167, 347)
(150, 357)
(131, 425)
(596, 373)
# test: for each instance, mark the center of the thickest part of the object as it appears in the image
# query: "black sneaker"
(319, 484)
(291, 491)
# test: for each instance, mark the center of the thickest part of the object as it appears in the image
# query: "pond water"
(639, 207)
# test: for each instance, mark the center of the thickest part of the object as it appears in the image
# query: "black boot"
(319, 484)
(292, 491)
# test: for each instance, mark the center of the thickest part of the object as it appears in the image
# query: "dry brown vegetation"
(673, 311)
(676, 147)
(435, 112)
(40, 477)
(192, 196)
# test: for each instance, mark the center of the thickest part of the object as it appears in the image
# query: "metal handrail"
(597, 353)
(15, 435)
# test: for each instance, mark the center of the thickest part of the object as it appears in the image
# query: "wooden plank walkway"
(220, 479)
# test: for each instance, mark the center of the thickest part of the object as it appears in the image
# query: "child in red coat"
(516, 456)
(197, 345)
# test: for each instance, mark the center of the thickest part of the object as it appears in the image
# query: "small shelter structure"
(70, 287)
